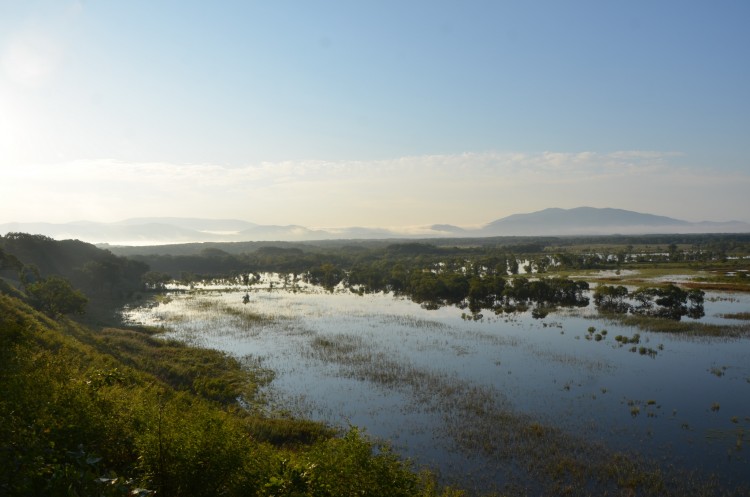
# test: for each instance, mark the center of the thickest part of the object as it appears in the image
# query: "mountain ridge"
(547, 222)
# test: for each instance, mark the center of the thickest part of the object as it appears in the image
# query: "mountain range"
(547, 222)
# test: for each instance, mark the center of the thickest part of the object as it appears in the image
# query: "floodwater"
(412, 376)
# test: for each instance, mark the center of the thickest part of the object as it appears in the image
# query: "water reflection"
(416, 376)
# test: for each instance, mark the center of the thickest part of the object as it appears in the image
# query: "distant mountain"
(596, 221)
(547, 222)
(157, 231)
(448, 229)
(195, 224)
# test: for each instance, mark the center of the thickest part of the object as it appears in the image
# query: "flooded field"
(488, 403)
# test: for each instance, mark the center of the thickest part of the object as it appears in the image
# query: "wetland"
(564, 401)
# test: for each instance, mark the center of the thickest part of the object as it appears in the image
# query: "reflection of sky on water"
(546, 368)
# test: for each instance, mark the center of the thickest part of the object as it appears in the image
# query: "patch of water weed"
(722, 298)
(162, 298)
(685, 328)
(649, 407)
(744, 316)
(734, 434)
(479, 420)
(647, 351)
(412, 321)
(718, 372)
(591, 365)
(488, 338)
(248, 318)
(623, 340)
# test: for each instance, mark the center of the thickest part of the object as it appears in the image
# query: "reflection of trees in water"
(670, 302)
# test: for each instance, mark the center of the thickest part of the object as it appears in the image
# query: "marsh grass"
(718, 372)
(412, 321)
(578, 362)
(745, 316)
(533, 456)
(209, 373)
(686, 328)
(719, 286)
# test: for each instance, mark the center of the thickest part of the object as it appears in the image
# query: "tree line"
(61, 277)
(433, 273)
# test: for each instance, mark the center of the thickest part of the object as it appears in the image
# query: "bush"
(56, 297)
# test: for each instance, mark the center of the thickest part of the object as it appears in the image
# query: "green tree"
(513, 264)
(55, 296)
(669, 302)
(611, 298)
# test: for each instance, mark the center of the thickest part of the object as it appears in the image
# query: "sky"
(372, 113)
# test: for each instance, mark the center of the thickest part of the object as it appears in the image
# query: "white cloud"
(463, 189)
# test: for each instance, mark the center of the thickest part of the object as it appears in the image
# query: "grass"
(745, 316)
(687, 328)
(704, 277)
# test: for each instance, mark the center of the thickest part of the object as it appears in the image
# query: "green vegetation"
(435, 271)
(122, 412)
(60, 277)
(55, 296)
(688, 328)
(745, 316)
(668, 301)
(112, 411)
(118, 412)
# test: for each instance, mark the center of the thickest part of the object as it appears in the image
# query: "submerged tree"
(156, 280)
(671, 301)
(611, 298)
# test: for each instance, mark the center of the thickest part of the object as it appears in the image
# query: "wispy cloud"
(470, 188)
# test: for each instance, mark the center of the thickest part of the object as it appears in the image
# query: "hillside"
(118, 412)
(606, 221)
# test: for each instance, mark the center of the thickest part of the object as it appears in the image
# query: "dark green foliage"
(155, 280)
(670, 301)
(97, 273)
(344, 466)
(9, 261)
(326, 275)
(484, 293)
(611, 298)
(55, 296)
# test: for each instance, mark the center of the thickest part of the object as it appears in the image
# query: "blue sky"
(372, 113)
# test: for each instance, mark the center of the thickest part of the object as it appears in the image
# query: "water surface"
(417, 377)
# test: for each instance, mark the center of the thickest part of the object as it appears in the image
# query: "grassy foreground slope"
(116, 412)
